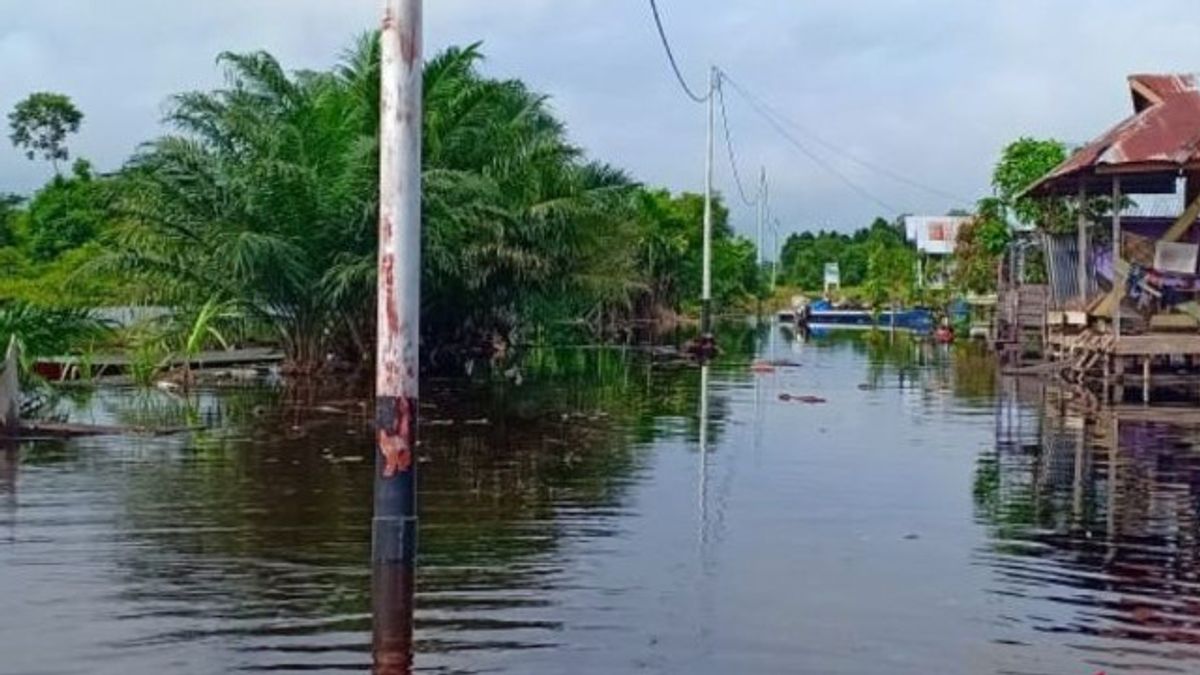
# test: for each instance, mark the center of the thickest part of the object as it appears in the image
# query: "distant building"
(934, 235)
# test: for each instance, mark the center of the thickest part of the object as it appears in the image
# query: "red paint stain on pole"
(394, 440)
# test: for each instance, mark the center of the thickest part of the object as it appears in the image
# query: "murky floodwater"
(928, 518)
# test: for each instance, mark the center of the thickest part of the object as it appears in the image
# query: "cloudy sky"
(931, 89)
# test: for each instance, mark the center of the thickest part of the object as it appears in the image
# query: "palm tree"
(265, 198)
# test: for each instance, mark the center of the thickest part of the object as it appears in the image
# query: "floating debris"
(811, 400)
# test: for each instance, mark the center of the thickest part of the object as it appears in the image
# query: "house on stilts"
(1123, 308)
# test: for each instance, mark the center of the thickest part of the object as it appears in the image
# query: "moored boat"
(823, 316)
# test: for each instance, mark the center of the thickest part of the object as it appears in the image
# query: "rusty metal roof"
(1147, 149)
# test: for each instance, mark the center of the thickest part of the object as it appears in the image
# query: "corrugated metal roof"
(1148, 149)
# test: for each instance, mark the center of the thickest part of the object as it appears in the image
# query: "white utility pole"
(762, 212)
(706, 284)
(394, 526)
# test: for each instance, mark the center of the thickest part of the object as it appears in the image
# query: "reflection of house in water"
(1097, 515)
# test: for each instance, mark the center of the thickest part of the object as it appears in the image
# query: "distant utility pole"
(394, 527)
(762, 213)
(776, 252)
(706, 334)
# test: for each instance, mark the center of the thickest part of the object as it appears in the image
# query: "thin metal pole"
(394, 527)
(1116, 254)
(775, 256)
(762, 208)
(1081, 274)
(706, 285)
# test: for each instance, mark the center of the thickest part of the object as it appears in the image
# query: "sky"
(931, 90)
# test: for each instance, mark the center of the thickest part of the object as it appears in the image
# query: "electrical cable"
(737, 175)
(662, 34)
(820, 161)
(766, 110)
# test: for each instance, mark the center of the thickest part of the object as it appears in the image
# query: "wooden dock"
(1019, 325)
(1156, 360)
(56, 368)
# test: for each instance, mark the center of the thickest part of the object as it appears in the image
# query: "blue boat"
(822, 316)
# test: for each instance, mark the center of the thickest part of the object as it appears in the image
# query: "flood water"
(928, 517)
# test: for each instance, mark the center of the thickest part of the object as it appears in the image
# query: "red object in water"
(944, 335)
(762, 367)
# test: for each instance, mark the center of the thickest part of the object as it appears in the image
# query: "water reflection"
(1097, 516)
(621, 512)
(9, 464)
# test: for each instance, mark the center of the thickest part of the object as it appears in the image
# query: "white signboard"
(934, 235)
(833, 275)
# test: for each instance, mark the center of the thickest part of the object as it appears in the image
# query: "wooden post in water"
(1146, 362)
(394, 527)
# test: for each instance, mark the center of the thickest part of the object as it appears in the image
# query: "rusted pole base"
(392, 608)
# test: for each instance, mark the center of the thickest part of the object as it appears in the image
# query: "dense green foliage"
(669, 247)
(980, 247)
(47, 332)
(66, 214)
(39, 125)
(45, 242)
(869, 256)
(1021, 164)
(9, 211)
(264, 199)
(982, 244)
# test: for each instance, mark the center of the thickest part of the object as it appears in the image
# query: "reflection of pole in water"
(704, 612)
(1077, 484)
(1113, 450)
(9, 459)
(8, 469)
(772, 334)
(394, 528)
(703, 482)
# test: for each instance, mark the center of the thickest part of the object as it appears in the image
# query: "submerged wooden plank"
(206, 359)
(69, 430)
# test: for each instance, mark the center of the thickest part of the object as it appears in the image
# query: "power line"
(833, 147)
(662, 34)
(820, 161)
(737, 176)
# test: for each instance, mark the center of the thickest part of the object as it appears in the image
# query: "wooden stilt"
(1146, 380)
(1119, 379)
(1108, 363)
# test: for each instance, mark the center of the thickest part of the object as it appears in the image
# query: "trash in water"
(801, 398)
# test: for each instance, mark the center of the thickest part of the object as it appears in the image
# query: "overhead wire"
(737, 175)
(781, 125)
(666, 43)
(765, 108)
(799, 145)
